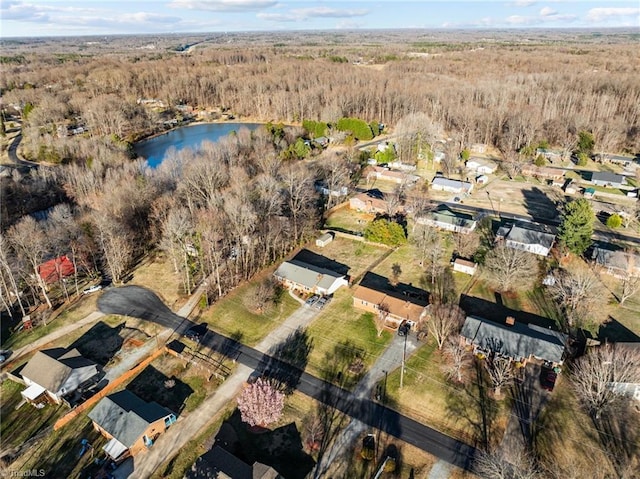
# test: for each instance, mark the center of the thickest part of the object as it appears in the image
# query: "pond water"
(155, 149)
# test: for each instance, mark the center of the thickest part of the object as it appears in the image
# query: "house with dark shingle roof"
(53, 373)
(618, 263)
(218, 463)
(520, 342)
(309, 278)
(130, 424)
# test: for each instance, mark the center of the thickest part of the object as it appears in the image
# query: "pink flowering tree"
(260, 403)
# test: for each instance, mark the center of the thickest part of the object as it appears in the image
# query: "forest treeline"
(237, 205)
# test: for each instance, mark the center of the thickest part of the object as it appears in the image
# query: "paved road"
(13, 154)
(141, 303)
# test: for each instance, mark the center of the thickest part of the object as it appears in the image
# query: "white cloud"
(304, 14)
(546, 11)
(522, 3)
(609, 13)
(327, 12)
(224, 5)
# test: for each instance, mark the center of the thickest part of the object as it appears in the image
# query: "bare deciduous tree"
(380, 318)
(578, 291)
(458, 358)
(510, 267)
(499, 465)
(260, 403)
(444, 320)
(594, 376)
(630, 286)
(431, 250)
(500, 371)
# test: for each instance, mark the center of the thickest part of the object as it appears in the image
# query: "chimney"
(510, 321)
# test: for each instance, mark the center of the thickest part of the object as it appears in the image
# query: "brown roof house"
(130, 424)
(398, 309)
(54, 373)
(369, 202)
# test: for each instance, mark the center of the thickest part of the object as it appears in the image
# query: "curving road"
(13, 155)
(139, 302)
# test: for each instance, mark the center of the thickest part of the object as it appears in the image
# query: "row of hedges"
(360, 129)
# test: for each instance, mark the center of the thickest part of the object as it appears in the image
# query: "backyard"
(348, 220)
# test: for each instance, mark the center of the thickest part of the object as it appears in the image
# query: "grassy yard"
(406, 256)
(72, 313)
(348, 220)
(231, 317)
(338, 323)
(58, 454)
(157, 274)
(454, 409)
(356, 255)
(19, 425)
(625, 319)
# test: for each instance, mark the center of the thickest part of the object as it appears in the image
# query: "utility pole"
(404, 356)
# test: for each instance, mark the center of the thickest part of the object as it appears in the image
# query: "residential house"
(370, 202)
(438, 156)
(481, 166)
(322, 188)
(322, 141)
(618, 263)
(624, 161)
(606, 178)
(54, 373)
(324, 240)
(528, 237)
(398, 165)
(218, 463)
(396, 309)
(300, 276)
(441, 183)
(448, 220)
(543, 172)
(130, 424)
(517, 341)
(53, 270)
(465, 266)
(479, 148)
(551, 155)
(386, 174)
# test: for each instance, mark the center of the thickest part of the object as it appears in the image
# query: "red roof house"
(52, 270)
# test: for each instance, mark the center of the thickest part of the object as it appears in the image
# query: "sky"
(30, 18)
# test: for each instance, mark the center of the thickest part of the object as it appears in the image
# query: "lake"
(154, 149)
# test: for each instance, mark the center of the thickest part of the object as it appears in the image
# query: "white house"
(465, 266)
(525, 237)
(440, 183)
(448, 220)
(297, 275)
(481, 166)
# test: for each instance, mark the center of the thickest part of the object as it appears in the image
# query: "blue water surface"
(155, 149)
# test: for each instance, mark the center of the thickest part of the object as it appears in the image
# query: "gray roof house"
(53, 373)
(441, 183)
(527, 237)
(130, 423)
(448, 220)
(518, 341)
(617, 263)
(218, 463)
(606, 178)
(309, 278)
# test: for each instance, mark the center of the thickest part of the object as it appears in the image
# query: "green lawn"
(348, 220)
(340, 322)
(19, 425)
(230, 316)
(411, 271)
(429, 397)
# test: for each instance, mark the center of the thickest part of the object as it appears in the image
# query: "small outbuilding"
(465, 266)
(324, 240)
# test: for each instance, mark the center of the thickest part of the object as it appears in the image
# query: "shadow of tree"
(100, 343)
(152, 385)
(618, 431)
(293, 351)
(471, 402)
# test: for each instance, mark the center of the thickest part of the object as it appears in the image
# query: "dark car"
(368, 447)
(322, 302)
(548, 379)
(404, 328)
(196, 333)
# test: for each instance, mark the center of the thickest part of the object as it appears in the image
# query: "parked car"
(312, 300)
(368, 447)
(404, 328)
(548, 379)
(196, 333)
(322, 302)
(92, 289)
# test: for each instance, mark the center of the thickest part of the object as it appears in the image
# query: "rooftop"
(50, 368)
(516, 341)
(307, 275)
(529, 235)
